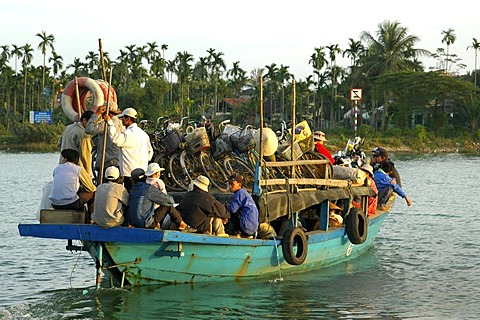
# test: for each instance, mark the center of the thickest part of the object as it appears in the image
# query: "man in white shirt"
(134, 143)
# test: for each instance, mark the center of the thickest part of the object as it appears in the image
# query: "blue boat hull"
(143, 256)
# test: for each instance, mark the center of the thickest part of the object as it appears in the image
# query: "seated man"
(143, 197)
(72, 186)
(111, 200)
(386, 185)
(242, 208)
(202, 211)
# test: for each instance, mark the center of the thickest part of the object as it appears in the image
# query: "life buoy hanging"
(112, 98)
(294, 246)
(356, 226)
(87, 88)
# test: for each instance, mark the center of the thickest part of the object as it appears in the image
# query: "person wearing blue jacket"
(142, 212)
(386, 185)
(243, 210)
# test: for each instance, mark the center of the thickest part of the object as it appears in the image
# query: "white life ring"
(85, 86)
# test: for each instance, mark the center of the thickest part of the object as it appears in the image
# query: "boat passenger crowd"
(132, 193)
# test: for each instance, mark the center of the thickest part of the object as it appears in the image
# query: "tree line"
(397, 90)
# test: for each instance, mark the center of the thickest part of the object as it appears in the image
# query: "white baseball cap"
(112, 173)
(129, 112)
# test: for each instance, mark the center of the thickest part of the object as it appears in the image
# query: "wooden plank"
(62, 216)
(296, 163)
(305, 181)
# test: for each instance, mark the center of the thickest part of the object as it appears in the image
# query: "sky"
(254, 32)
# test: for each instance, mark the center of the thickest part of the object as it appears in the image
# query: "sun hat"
(138, 174)
(368, 168)
(202, 182)
(153, 168)
(236, 177)
(319, 135)
(112, 173)
(129, 112)
(333, 206)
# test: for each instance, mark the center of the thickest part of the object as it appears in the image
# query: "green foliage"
(37, 133)
(420, 133)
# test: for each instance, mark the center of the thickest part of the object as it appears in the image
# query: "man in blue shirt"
(387, 185)
(244, 212)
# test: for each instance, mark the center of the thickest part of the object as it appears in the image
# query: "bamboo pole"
(105, 131)
(77, 93)
(104, 71)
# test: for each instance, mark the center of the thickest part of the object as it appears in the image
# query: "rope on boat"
(78, 258)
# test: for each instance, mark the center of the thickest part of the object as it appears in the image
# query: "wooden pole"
(105, 131)
(258, 170)
(104, 72)
(292, 143)
(77, 93)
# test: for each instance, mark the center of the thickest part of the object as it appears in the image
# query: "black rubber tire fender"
(295, 238)
(356, 226)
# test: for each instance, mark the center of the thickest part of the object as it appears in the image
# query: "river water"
(424, 264)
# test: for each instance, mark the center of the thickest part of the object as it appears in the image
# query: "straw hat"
(319, 135)
(270, 141)
(202, 182)
(153, 168)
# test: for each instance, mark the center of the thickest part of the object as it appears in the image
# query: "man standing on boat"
(242, 208)
(202, 211)
(74, 137)
(134, 143)
(143, 212)
(96, 126)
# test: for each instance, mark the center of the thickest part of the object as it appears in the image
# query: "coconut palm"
(392, 49)
(449, 38)
(46, 42)
(475, 46)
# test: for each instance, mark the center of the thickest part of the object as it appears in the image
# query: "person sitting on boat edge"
(202, 211)
(143, 197)
(380, 155)
(111, 200)
(153, 176)
(243, 210)
(319, 138)
(72, 185)
(386, 185)
(372, 201)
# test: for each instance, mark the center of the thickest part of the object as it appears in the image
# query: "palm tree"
(475, 46)
(271, 85)
(27, 59)
(78, 67)
(216, 63)
(392, 50)
(449, 38)
(354, 51)
(57, 63)
(17, 53)
(282, 76)
(164, 47)
(46, 41)
(183, 68)
(92, 60)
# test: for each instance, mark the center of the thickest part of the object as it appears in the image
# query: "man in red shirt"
(319, 138)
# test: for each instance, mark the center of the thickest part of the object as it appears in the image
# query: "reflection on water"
(424, 263)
